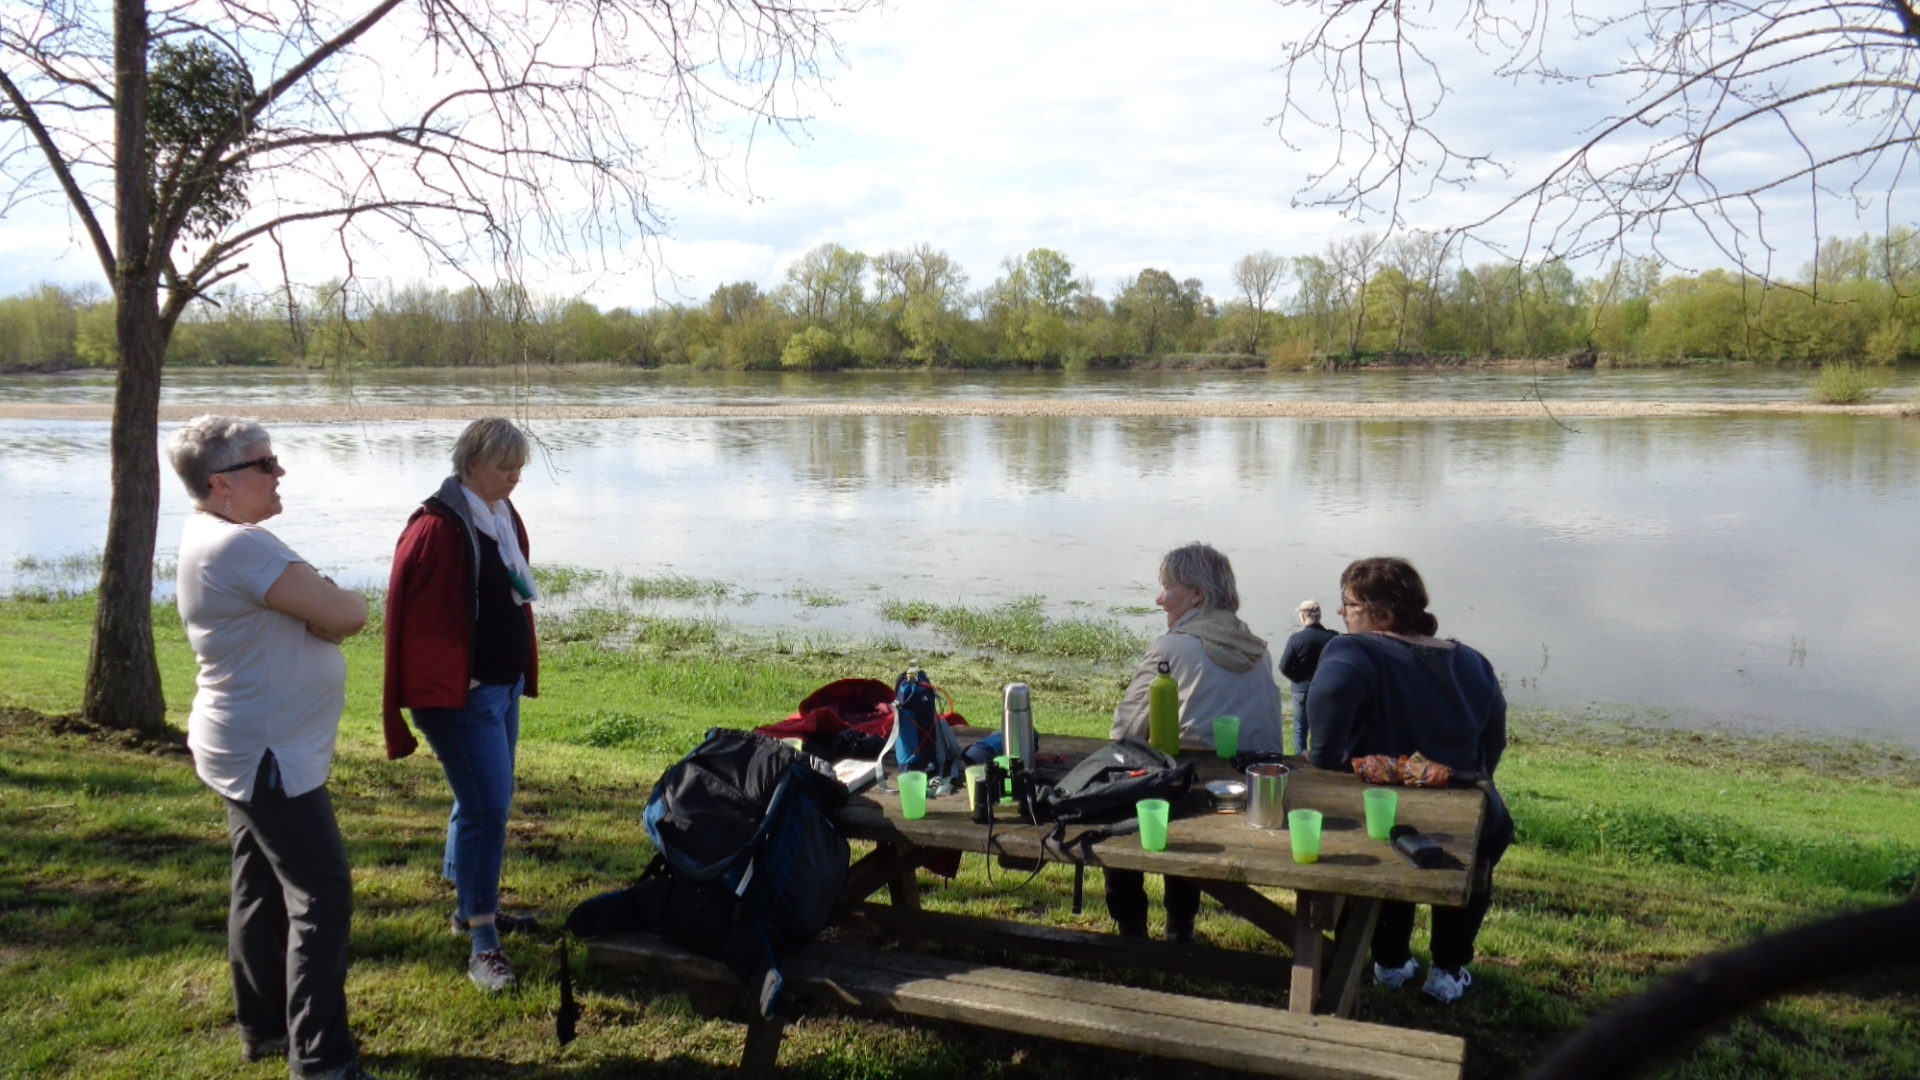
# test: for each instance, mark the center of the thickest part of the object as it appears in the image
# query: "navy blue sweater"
(1375, 694)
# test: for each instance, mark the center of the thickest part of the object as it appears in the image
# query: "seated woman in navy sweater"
(1388, 686)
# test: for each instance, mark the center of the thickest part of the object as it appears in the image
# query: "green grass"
(1844, 384)
(1639, 849)
(681, 587)
(1020, 627)
(559, 581)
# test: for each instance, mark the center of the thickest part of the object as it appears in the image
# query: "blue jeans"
(476, 746)
(1300, 719)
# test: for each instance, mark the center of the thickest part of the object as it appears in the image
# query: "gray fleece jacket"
(1223, 669)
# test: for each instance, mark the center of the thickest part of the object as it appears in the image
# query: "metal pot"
(1267, 796)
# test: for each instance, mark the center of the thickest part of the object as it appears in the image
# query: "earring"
(229, 509)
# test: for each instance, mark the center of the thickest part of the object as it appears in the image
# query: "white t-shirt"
(265, 682)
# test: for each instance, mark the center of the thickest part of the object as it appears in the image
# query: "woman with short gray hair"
(266, 629)
(461, 653)
(1222, 670)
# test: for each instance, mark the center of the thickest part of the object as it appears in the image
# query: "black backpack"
(1111, 780)
(1104, 787)
(749, 864)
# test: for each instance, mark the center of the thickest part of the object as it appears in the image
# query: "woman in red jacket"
(460, 653)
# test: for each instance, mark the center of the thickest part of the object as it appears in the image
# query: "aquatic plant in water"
(679, 587)
(1020, 626)
(1844, 384)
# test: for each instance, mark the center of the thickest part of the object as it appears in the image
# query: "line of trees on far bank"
(1358, 300)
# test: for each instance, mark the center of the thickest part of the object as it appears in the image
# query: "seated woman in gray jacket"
(1222, 670)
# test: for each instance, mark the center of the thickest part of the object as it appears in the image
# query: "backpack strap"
(566, 1020)
(1080, 849)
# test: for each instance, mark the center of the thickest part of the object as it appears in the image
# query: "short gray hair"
(1201, 566)
(488, 440)
(209, 444)
(1311, 609)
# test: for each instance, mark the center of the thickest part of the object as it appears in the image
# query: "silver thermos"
(1016, 727)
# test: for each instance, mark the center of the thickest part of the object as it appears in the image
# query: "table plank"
(1222, 847)
(1222, 1033)
(1043, 990)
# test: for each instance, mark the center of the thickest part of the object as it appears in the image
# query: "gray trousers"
(288, 922)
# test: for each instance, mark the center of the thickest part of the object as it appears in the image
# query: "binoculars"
(1013, 784)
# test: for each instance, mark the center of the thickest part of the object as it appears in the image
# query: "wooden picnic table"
(1337, 899)
(1336, 903)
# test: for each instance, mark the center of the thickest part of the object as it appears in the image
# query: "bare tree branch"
(24, 112)
(1839, 80)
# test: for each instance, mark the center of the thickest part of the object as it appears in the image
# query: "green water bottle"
(1163, 713)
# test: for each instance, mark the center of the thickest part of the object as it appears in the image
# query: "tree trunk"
(123, 680)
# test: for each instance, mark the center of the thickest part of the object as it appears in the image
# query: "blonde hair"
(1201, 566)
(492, 439)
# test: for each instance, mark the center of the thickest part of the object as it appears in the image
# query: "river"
(1737, 571)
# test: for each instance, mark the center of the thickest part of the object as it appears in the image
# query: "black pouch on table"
(1417, 848)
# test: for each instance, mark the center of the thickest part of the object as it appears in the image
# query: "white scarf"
(497, 522)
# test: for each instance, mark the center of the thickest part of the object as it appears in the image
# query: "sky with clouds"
(1124, 134)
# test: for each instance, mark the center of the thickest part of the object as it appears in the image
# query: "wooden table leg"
(762, 1051)
(1315, 913)
(904, 892)
(1250, 905)
(1352, 949)
(881, 867)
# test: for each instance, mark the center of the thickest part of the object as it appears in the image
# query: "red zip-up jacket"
(430, 604)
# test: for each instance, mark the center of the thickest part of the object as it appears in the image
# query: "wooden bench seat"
(1222, 1034)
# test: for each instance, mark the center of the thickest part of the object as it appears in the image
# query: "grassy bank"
(1638, 850)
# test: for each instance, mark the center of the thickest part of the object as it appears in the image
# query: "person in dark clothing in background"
(1388, 686)
(1298, 663)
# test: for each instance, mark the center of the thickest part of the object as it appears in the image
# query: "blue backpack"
(922, 741)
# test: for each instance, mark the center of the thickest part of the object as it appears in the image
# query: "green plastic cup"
(1303, 827)
(1153, 823)
(913, 795)
(1226, 735)
(1382, 804)
(976, 774)
(1006, 765)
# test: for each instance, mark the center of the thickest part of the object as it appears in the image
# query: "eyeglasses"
(265, 464)
(1350, 605)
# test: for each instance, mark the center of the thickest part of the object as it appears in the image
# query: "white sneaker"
(491, 972)
(1395, 978)
(1447, 989)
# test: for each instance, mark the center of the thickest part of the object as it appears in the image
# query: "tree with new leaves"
(1156, 307)
(1258, 277)
(1714, 111)
(192, 141)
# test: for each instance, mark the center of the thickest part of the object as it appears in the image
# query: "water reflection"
(1749, 570)
(1037, 454)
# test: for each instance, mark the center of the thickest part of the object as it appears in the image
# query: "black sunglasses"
(264, 464)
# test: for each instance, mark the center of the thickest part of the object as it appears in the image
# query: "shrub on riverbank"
(1844, 384)
(113, 894)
